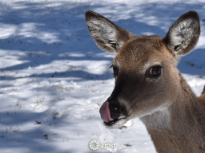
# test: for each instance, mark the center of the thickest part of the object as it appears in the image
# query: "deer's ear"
(183, 34)
(108, 36)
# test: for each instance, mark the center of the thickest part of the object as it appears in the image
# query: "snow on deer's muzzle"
(105, 112)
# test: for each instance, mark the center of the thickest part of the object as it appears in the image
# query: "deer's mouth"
(111, 122)
(115, 121)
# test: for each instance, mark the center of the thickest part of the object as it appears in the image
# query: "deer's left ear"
(107, 35)
(183, 35)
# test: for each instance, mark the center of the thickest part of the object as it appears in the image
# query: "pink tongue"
(105, 112)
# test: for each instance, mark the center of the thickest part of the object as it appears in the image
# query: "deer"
(148, 84)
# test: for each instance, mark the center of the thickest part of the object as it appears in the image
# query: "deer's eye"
(115, 70)
(154, 72)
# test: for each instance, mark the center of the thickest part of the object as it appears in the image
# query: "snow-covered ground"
(53, 78)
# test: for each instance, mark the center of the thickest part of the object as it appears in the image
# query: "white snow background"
(52, 72)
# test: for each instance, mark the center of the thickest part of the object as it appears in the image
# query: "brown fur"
(172, 114)
(202, 98)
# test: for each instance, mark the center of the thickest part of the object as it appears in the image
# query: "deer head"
(146, 77)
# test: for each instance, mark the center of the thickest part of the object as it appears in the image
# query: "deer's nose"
(110, 111)
(115, 110)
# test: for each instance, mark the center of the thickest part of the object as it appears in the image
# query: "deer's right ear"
(183, 35)
(108, 36)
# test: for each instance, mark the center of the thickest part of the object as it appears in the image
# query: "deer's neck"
(180, 126)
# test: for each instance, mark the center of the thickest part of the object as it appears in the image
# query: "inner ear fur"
(107, 35)
(183, 35)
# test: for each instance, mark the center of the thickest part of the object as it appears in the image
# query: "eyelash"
(111, 66)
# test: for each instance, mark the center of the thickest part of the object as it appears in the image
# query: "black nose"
(115, 110)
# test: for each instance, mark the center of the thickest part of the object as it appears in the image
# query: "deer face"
(146, 77)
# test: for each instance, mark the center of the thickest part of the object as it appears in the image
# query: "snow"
(53, 78)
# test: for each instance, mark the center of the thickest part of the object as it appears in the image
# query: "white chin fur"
(117, 124)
